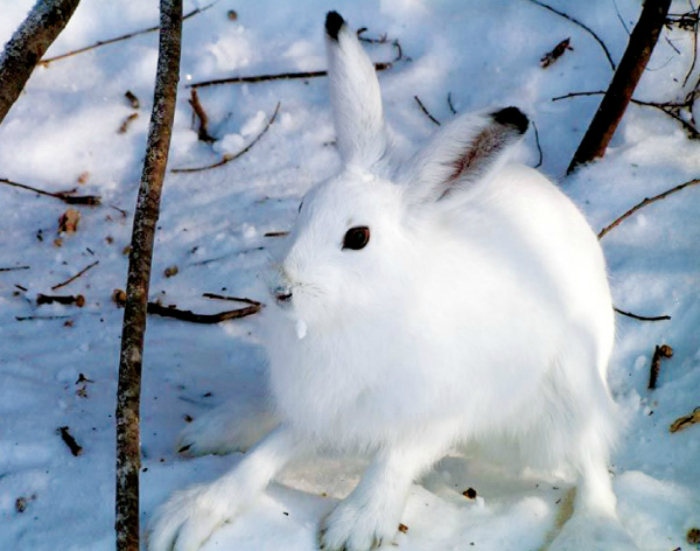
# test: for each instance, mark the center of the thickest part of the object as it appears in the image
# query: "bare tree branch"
(140, 261)
(100, 43)
(90, 200)
(29, 43)
(634, 61)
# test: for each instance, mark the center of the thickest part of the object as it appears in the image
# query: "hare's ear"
(355, 96)
(464, 153)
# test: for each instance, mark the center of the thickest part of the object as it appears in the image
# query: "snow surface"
(213, 224)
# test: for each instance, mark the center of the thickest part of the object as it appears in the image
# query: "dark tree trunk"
(612, 108)
(134, 327)
(27, 46)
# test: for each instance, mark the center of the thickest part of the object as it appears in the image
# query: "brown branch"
(634, 61)
(187, 315)
(584, 27)
(78, 300)
(89, 200)
(227, 158)
(140, 263)
(30, 41)
(642, 318)
(685, 421)
(234, 299)
(127, 122)
(425, 110)
(276, 234)
(76, 276)
(202, 132)
(14, 269)
(644, 203)
(382, 66)
(663, 351)
(100, 43)
(67, 437)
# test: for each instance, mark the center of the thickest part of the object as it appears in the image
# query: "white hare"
(451, 300)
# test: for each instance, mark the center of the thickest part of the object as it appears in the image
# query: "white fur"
(479, 318)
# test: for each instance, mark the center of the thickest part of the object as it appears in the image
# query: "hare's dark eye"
(356, 238)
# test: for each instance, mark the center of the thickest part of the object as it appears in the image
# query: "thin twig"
(14, 269)
(90, 200)
(227, 158)
(539, 147)
(278, 76)
(100, 43)
(449, 103)
(583, 26)
(425, 110)
(78, 300)
(201, 114)
(187, 315)
(642, 318)
(41, 318)
(685, 421)
(695, 48)
(276, 234)
(234, 299)
(644, 203)
(76, 276)
(67, 437)
(663, 351)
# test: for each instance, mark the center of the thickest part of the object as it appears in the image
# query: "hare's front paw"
(187, 520)
(351, 528)
(231, 427)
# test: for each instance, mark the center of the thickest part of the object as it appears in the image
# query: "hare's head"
(359, 235)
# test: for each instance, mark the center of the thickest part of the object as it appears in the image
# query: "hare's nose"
(283, 294)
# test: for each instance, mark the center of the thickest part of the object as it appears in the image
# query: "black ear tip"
(512, 116)
(334, 22)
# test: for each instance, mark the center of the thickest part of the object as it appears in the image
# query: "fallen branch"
(30, 41)
(76, 276)
(228, 157)
(449, 103)
(41, 318)
(234, 299)
(67, 437)
(126, 123)
(584, 27)
(644, 203)
(642, 318)
(425, 110)
(382, 66)
(100, 43)
(539, 147)
(685, 421)
(663, 351)
(89, 200)
(128, 436)
(15, 269)
(187, 315)
(276, 234)
(614, 103)
(78, 300)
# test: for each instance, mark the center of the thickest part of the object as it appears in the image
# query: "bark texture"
(140, 259)
(27, 46)
(634, 61)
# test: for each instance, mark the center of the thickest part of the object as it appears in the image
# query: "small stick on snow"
(100, 43)
(584, 27)
(14, 269)
(187, 315)
(74, 447)
(76, 276)
(202, 132)
(642, 318)
(382, 66)
(78, 300)
(227, 158)
(127, 122)
(539, 147)
(90, 200)
(277, 234)
(645, 202)
(234, 299)
(685, 421)
(663, 351)
(449, 103)
(425, 110)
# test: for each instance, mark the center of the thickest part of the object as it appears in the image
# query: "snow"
(213, 227)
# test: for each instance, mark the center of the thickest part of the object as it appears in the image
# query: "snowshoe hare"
(453, 299)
